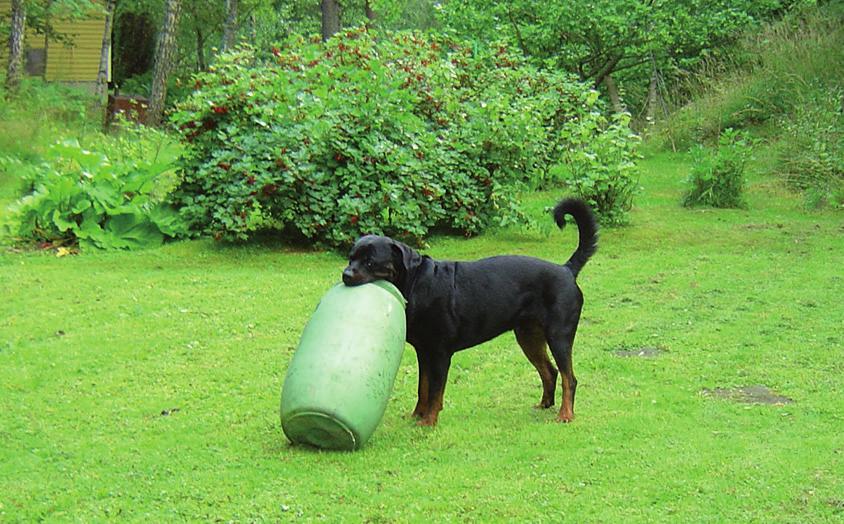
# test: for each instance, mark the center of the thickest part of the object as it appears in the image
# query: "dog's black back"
(473, 302)
(456, 305)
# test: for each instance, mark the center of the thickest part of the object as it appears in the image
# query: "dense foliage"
(599, 165)
(811, 155)
(628, 40)
(717, 177)
(39, 113)
(394, 135)
(79, 196)
(786, 79)
(404, 133)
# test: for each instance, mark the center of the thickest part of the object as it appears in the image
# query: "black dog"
(457, 305)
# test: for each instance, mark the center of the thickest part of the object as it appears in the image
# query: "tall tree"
(164, 50)
(330, 18)
(105, 51)
(15, 67)
(370, 13)
(201, 63)
(202, 24)
(230, 26)
(599, 39)
(615, 97)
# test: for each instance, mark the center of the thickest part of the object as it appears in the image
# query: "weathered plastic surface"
(339, 381)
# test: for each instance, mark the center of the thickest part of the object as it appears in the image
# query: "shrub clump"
(717, 178)
(785, 78)
(599, 165)
(79, 196)
(811, 152)
(393, 135)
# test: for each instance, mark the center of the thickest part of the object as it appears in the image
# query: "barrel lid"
(320, 430)
(392, 289)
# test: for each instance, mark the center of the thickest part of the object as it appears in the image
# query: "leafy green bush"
(600, 165)
(811, 152)
(765, 79)
(75, 195)
(396, 135)
(717, 178)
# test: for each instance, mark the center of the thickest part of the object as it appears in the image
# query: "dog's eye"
(369, 264)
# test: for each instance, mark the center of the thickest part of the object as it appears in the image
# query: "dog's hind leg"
(531, 338)
(560, 339)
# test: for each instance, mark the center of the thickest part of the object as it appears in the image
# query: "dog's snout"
(350, 276)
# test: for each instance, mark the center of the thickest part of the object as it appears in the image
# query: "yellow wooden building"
(76, 61)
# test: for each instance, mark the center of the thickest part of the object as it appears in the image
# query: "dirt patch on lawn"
(757, 394)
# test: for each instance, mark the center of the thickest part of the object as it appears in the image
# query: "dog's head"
(375, 257)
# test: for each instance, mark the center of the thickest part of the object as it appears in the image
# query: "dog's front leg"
(422, 404)
(436, 377)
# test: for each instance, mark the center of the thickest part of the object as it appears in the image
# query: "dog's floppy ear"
(405, 258)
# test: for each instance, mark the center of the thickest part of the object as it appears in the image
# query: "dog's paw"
(425, 422)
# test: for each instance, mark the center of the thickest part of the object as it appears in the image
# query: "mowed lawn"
(145, 386)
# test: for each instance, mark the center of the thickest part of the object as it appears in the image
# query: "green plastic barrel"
(342, 372)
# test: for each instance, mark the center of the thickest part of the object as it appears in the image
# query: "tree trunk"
(651, 102)
(230, 27)
(200, 50)
(370, 14)
(518, 32)
(164, 50)
(607, 69)
(105, 52)
(15, 67)
(253, 29)
(330, 18)
(615, 99)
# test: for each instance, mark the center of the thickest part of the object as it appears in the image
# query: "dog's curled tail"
(587, 227)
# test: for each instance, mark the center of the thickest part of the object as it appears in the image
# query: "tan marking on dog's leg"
(561, 341)
(569, 387)
(430, 418)
(567, 408)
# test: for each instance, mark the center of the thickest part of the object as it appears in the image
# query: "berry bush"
(392, 133)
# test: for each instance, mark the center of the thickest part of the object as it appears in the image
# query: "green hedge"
(392, 133)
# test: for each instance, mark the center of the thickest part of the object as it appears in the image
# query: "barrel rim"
(307, 437)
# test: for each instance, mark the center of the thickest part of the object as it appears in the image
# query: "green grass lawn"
(145, 386)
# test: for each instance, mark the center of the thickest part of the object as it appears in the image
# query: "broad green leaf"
(133, 231)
